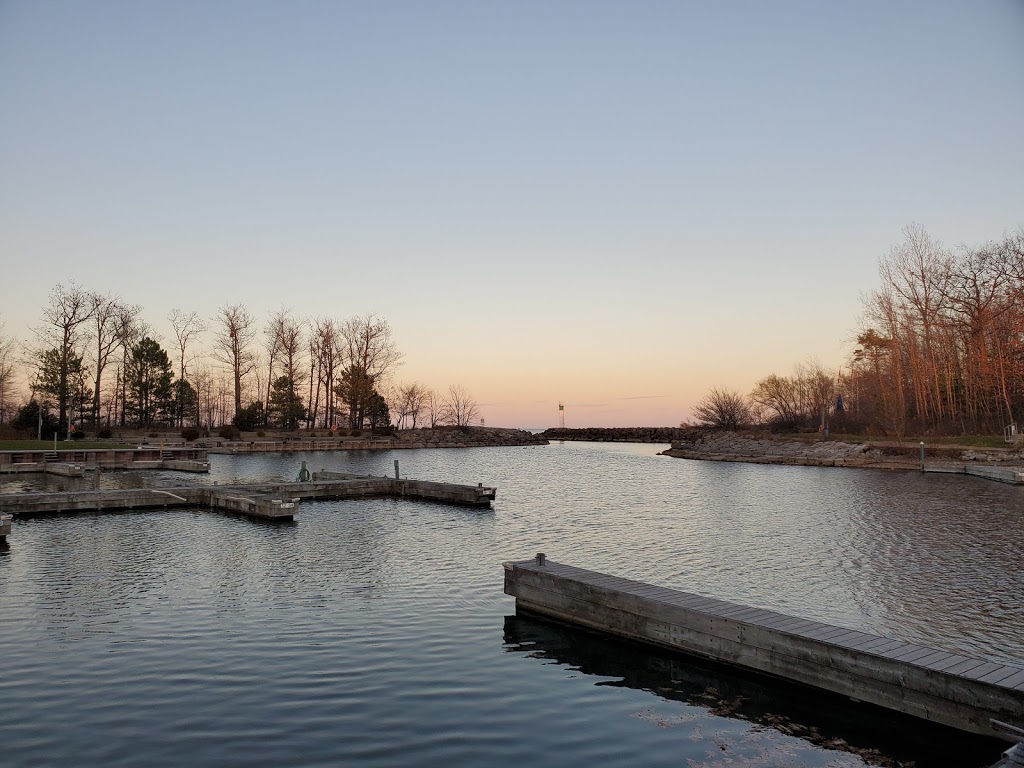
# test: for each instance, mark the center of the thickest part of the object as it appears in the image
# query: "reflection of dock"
(927, 683)
(74, 463)
(267, 501)
(5, 527)
(817, 717)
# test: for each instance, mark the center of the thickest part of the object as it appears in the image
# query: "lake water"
(376, 632)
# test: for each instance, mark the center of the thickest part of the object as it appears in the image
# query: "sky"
(614, 205)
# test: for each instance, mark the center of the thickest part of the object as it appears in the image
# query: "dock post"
(922, 455)
(541, 559)
(396, 469)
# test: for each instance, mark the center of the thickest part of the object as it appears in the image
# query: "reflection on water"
(369, 632)
(715, 691)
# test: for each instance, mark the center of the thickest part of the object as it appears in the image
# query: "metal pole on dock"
(922, 455)
(396, 469)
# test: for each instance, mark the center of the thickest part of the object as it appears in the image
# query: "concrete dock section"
(268, 501)
(71, 462)
(934, 685)
(1010, 475)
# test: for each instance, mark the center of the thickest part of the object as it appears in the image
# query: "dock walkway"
(71, 462)
(946, 688)
(268, 501)
(1011, 475)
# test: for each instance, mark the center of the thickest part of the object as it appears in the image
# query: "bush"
(78, 435)
(27, 420)
(356, 433)
(261, 433)
(190, 433)
(105, 433)
(249, 417)
(228, 432)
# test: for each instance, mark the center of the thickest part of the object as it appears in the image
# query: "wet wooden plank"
(999, 675)
(1015, 679)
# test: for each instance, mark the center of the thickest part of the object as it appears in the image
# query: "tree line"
(939, 349)
(95, 363)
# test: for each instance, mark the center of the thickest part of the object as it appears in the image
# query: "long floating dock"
(941, 687)
(74, 463)
(268, 501)
(1011, 475)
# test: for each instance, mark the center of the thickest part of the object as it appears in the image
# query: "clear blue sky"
(617, 205)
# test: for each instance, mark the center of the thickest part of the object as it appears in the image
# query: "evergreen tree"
(149, 397)
(285, 408)
(62, 379)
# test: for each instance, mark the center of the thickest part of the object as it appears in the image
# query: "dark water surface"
(376, 633)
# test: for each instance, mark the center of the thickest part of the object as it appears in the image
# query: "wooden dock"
(267, 501)
(5, 527)
(74, 463)
(941, 687)
(1011, 475)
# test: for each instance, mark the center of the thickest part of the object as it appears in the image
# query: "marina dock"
(946, 688)
(75, 463)
(1011, 475)
(266, 501)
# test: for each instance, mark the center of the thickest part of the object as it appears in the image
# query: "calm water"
(376, 632)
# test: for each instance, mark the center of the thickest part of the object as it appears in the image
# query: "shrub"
(261, 433)
(104, 433)
(356, 433)
(190, 433)
(227, 432)
(153, 434)
(249, 417)
(78, 435)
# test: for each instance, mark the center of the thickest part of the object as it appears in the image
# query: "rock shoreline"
(754, 448)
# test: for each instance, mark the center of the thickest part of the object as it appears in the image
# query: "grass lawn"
(62, 445)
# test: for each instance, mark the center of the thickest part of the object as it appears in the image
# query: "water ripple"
(371, 632)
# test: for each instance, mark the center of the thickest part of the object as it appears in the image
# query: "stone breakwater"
(468, 437)
(617, 434)
(439, 437)
(758, 448)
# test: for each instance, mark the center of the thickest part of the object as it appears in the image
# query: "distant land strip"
(617, 434)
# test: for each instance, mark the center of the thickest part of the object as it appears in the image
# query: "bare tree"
(67, 311)
(283, 344)
(186, 328)
(326, 355)
(410, 400)
(778, 394)
(370, 355)
(109, 314)
(233, 345)
(130, 328)
(724, 409)
(6, 373)
(434, 406)
(459, 408)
